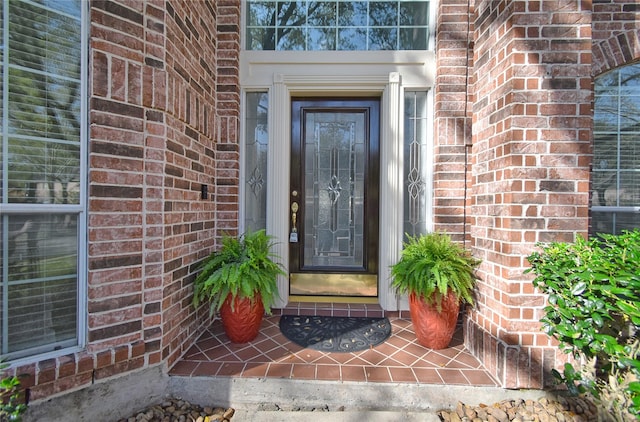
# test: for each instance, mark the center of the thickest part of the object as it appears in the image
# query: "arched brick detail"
(620, 49)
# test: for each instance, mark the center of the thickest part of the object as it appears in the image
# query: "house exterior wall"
(533, 67)
(163, 121)
(513, 117)
(452, 117)
(530, 178)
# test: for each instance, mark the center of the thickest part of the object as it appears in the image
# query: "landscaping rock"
(177, 410)
(561, 409)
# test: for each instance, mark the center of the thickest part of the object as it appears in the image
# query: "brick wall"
(452, 117)
(164, 105)
(512, 156)
(531, 157)
(202, 149)
(616, 34)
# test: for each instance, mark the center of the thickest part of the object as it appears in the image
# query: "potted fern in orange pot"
(438, 275)
(240, 282)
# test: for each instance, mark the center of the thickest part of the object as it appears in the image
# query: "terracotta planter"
(242, 324)
(434, 329)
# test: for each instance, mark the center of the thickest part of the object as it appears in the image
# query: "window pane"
(53, 53)
(602, 182)
(352, 39)
(613, 222)
(377, 25)
(383, 39)
(291, 39)
(261, 39)
(606, 151)
(383, 13)
(333, 149)
(42, 172)
(42, 313)
(43, 106)
(414, 13)
(255, 164)
(413, 38)
(291, 13)
(415, 163)
(630, 150)
(322, 13)
(322, 39)
(353, 13)
(41, 147)
(40, 251)
(260, 13)
(616, 167)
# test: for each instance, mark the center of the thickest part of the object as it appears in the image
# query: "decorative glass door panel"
(334, 183)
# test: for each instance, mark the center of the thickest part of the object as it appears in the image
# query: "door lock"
(293, 236)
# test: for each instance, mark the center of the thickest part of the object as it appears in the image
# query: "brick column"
(202, 48)
(531, 156)
(452, 117)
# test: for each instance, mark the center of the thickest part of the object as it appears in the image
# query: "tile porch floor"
(271, 355)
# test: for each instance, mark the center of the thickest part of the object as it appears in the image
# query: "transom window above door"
(337, 25)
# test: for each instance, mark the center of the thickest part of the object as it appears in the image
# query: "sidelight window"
(255, 160)
(416, 163)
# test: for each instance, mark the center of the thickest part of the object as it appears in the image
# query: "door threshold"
(333, 299)
(333, 285)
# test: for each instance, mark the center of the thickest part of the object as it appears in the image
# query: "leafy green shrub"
(243, 267)
(11, 404)
(432, 264)
(594, 312)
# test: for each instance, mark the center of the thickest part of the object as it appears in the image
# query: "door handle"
(294, 216)
(293, 236)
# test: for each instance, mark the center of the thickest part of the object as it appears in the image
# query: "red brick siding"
(616, 34)
(452, 117)
(164, 100)
(531, 157)
(164, 106)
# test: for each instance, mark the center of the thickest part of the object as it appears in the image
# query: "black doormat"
(335, 334)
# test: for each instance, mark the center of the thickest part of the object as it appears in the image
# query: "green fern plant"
(244, 266)
(432, 264)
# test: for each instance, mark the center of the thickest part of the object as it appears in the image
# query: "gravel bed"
(177, 410)
(560, 409)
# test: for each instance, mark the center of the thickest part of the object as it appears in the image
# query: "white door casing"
(356, 73)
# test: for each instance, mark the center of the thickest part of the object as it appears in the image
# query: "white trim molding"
(383, 74)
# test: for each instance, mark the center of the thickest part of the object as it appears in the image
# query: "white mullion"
(82, 221)
(5, 181)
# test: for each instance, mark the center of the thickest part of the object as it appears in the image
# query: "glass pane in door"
(334, 161)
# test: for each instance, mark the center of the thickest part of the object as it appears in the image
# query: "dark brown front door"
(334, 197)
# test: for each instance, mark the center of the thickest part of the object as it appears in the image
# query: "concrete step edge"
(333, 416)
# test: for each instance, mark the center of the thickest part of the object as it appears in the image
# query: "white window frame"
(595, 205)
(79, 209)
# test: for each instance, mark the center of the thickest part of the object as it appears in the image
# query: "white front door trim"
(384, 74)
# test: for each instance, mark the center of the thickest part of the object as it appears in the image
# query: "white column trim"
(278, 162)
(391, 201)
(391, 149)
